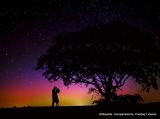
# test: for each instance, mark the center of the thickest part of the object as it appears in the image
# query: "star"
(6, 54)
(28, 29)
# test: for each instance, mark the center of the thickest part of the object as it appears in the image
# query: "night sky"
(27, 28)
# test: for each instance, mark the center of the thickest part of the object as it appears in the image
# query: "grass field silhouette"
(92, 112)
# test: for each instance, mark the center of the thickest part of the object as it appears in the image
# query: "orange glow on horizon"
(38, 93)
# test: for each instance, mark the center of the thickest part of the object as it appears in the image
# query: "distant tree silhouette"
(103, 56)
(121, 99)
(128, 99)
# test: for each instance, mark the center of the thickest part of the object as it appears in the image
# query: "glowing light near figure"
(38, 93)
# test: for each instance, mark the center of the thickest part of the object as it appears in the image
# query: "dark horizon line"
(93, 105)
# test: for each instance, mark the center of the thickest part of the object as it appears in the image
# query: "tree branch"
(97, 86)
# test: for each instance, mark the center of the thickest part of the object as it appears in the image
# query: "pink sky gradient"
(37, 92)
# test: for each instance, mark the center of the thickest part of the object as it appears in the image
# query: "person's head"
(54, 87)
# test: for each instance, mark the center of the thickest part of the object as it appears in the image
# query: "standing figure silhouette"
(55, 99)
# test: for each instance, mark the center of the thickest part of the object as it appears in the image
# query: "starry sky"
(27, 28)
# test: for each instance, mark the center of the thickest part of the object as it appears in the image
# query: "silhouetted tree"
(103, 56)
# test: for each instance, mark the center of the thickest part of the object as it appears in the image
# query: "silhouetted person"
(55, 99)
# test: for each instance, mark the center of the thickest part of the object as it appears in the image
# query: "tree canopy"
(104, 56)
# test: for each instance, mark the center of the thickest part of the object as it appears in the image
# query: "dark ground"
(144, 111)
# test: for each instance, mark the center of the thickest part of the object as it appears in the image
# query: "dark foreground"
(145, 111)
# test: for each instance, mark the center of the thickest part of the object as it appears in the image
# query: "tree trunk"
(108, 91)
